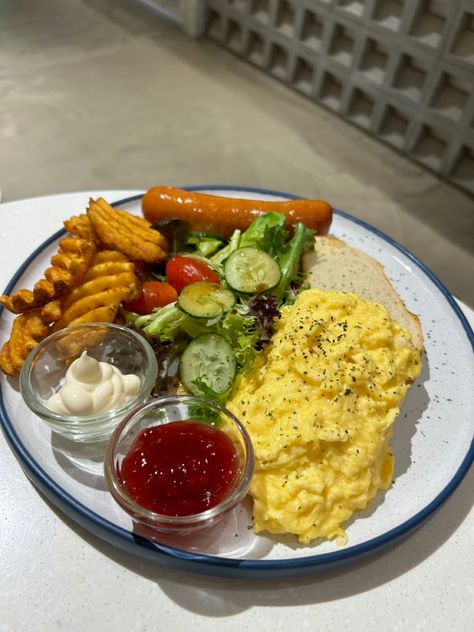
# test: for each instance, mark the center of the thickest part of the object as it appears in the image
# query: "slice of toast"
(337, 266)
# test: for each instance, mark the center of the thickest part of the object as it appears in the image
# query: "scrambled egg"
(319, 409)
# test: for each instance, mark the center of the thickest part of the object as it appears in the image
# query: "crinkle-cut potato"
(28, 329)
(21, 301)
(119, 230)
(51, 312)
(110, 280)
(84, 283)
(68, 266)
(5, 360)
(80, 226)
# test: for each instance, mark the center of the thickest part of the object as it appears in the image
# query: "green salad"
(224, 298)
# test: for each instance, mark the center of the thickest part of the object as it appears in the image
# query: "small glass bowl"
(44, 369)
(166, 410)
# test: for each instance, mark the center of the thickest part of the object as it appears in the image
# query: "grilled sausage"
(222, 215)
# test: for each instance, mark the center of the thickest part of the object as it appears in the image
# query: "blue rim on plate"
(209, 564)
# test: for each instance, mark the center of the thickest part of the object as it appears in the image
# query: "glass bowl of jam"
(179, 464)
(83, 380)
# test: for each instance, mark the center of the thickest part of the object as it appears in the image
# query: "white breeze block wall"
(403, 70)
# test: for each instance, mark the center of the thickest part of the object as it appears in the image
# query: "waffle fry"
(68, 265)
(80, 226)
(5, 360)
(131, 235)
(51, 312)
(19, 302)
(84, 282)
(67, 268)
(27, 330)
(110, 280)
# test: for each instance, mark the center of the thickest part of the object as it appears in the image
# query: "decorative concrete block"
(403, 70)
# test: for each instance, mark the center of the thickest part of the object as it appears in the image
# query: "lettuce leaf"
(204, 244)
(163, 323)
(233, 244)
(267, 232)
(264, 310)
(289, 260)
(242, 335)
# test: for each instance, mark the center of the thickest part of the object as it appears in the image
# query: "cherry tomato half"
(182, 271)
(154, 294)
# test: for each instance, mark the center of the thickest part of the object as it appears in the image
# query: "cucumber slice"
(208, 367)
(251, 271)
(204, 299)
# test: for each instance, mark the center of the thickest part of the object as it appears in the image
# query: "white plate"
(433, 442)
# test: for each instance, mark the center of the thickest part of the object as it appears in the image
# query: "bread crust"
(339, 267)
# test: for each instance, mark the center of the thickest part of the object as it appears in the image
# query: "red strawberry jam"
(180, 468)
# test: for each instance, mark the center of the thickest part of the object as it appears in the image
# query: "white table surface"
(56, 576)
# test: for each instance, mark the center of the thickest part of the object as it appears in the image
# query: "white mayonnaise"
(92, 387)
